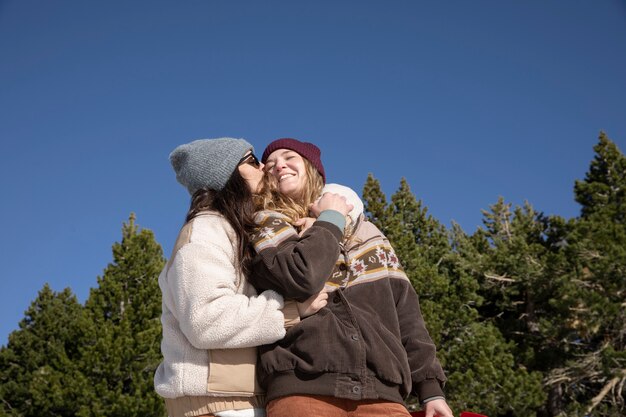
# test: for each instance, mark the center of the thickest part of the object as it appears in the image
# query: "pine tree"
(523, 274)
(489, 374)
(602, 193)
(594, 375)
(124, 349)
(556, 288)
(484, 375)
(520, 276)
(39, 371)
(375, 202)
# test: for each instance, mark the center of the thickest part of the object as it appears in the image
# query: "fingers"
(314, 209)
(331, 201)
(313, 304)
(304, 223)
(321, 301)
(321, 298)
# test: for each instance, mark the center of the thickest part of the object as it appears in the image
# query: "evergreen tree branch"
(605, 390)
(501, 278)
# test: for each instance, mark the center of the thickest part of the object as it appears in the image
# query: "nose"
(281, 164)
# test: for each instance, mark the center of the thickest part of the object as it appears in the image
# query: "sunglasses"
(250, 159)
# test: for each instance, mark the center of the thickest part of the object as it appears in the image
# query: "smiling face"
(289, 170)
(251, 170)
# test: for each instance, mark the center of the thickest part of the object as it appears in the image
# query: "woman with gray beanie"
(212, 318)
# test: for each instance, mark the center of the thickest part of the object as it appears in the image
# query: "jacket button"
(356, 389)
(343, 267)
(336, 299)
(355, 337)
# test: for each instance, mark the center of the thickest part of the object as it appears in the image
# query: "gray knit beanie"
(208, 163)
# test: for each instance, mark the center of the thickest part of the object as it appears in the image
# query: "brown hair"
(234, 202)
(269, 198)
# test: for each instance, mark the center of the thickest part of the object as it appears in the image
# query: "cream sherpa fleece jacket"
(208, 305)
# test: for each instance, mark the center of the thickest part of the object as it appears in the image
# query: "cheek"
(272, 172)
(302, 177)
(301, 183)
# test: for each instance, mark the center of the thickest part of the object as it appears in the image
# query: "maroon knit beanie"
(306, 150)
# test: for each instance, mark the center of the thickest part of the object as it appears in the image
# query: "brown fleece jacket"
(370, 342)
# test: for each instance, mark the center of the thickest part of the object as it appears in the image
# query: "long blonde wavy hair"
(269, 198)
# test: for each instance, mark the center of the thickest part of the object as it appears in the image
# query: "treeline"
(528, 312)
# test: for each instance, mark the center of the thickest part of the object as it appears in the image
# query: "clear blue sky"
(467, 100)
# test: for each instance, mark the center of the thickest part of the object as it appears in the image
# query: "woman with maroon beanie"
(368, 349)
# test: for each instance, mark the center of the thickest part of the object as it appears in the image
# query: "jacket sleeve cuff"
(427, 389)
(334, 217)
(436, 397)
(290, 311)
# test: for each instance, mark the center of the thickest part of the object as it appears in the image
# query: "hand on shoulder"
(331, 201)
